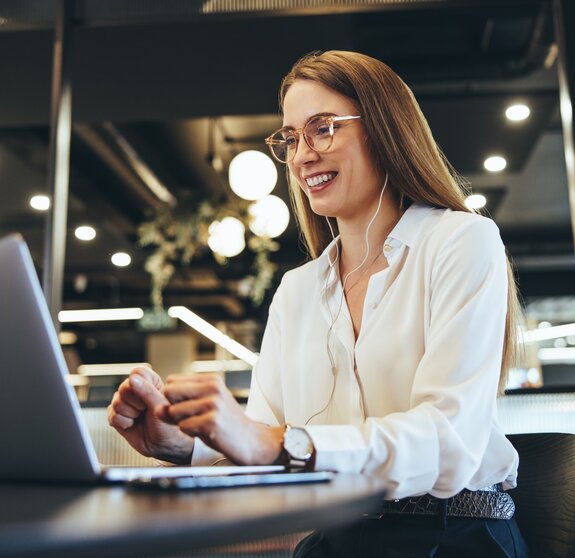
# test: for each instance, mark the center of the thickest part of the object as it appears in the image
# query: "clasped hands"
(162, 420)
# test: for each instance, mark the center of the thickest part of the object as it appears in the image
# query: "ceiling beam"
(37, 15)
(564, 16)
(59, 160)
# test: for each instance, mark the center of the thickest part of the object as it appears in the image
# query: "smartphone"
(230, 481)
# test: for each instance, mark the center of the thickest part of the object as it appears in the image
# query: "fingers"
(203, 426)
(125, 408)
(204, 376)
(196, 401)
(136, 394)
(126, 394)
(144, 387)
(180, 411)
(149, 375)
(120, 414)
(119, 422)
(183, 387)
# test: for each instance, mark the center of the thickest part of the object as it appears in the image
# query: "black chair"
(545, 496)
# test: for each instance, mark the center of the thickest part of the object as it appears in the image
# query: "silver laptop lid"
(42, 433)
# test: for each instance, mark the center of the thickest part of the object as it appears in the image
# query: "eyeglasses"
(318, 133)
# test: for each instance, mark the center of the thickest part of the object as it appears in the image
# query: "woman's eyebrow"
(310, 118)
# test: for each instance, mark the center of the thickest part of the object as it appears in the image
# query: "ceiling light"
(475, 201)
(121, 259)
(227, 237)
(545, 333)
(114, 369)
(80, 282)
(213, 333)
(518, 112)
(100, 315)
(67, 338)
(270, 216)
(85, 232)
(231, 365)
(495, 163)
(557, 356)
(252, 175)
(40, 202)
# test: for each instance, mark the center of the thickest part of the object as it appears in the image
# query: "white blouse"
(414, 398)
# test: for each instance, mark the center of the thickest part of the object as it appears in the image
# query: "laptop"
(43, 436)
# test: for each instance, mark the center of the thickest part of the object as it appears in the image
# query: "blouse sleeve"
(438, 445)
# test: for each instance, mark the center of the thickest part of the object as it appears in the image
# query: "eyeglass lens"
(318, 134)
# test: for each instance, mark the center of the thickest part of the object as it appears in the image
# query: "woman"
(384, 353)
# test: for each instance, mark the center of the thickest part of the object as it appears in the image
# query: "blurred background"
(166, 94)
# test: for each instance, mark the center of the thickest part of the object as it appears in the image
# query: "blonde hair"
(400, 142)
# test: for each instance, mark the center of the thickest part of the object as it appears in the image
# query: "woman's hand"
(201, 405)
(131, 413)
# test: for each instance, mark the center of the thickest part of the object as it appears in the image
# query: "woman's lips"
(320, 182)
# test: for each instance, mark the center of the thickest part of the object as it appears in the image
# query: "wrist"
(268, 448)
(181, 454)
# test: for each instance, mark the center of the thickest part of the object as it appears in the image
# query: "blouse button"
(387, 248)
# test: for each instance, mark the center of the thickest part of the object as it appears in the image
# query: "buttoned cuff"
(338, 448)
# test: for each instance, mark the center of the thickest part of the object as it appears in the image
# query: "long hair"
(400, 143)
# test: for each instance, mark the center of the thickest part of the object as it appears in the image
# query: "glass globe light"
(252, 175)
(270, 216)
(227, 237)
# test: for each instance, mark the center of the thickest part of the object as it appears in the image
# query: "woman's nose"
(304, 154)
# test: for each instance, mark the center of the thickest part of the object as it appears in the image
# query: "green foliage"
(177, 237)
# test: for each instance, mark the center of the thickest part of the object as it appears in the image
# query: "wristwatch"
(298, 450)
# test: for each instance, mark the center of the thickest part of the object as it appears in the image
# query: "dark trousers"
(402, 536)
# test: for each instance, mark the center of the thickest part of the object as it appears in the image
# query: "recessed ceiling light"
(518, 112)
(40, 202)
(85, 232)
(495, 163)
(121, 259)
(475, 201)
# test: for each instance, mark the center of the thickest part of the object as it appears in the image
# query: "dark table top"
(65, 521)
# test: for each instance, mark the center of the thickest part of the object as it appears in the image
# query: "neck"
(352, 235)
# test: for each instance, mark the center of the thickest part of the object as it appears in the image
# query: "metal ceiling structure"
(165, 86)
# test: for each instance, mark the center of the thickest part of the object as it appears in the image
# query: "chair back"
(545, 496)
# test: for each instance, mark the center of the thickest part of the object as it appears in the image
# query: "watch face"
(298, 444)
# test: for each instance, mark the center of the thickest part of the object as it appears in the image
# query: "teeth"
(319, 179)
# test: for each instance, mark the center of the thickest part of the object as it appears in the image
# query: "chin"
(321, 210)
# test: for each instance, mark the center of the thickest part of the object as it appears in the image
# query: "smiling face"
(343, 181)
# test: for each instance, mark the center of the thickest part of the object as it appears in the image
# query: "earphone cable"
(334, 320)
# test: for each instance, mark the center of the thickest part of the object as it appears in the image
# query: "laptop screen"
(42, 434)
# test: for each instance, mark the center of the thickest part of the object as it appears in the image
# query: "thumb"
(147, 392)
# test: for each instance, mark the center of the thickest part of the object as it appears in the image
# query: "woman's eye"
(290, 141)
